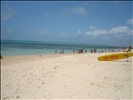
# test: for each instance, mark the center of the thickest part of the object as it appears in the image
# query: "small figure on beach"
(62, 51)
(81, 51)
(95, 50)
(85, 51)
(73, 51)
(129, 48)
(124, 48)
(55, 51)
(91, 50)
(1, 56)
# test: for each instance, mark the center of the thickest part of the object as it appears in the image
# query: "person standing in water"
(128, 48)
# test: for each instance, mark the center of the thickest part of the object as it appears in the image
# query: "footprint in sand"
(6, 98)
(96, 84)
(108, 78)
(43, 82)
(25, 75)
(17, 97)
(92, 83)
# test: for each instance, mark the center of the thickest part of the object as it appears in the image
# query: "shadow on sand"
(122, 61)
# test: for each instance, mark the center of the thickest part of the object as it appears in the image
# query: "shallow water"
(14, 48)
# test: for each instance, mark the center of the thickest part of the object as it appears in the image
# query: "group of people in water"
(61, 52)
(80, 51)
(128, 49)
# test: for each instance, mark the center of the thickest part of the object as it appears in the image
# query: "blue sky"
(91, 22)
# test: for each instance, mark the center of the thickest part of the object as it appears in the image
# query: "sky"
(91, 22)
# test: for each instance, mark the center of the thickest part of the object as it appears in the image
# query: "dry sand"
(65, 76)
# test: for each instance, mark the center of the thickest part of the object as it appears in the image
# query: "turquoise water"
(14, 48)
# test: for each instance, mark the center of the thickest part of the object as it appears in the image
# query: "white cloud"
(78, 10)
(123, 30)
(8, 31)
(78, 33)
(7, 14)
(96, 32)
(120, 29)
(63, 35)
(92, 27)
(44, 32)
(39, 31)
(130, 21)
(45, 15)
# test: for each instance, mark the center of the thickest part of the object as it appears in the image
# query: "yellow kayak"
(115, 56)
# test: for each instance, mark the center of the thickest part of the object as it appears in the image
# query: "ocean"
(17, 47)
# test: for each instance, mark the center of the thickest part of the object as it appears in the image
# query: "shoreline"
(72, 52)
(27, 58)
(54, 51)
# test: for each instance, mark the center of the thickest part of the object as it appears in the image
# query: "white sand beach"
(65, 76)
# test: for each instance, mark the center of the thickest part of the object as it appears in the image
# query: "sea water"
(14, 48)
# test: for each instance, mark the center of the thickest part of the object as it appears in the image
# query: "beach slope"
(68, 76)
